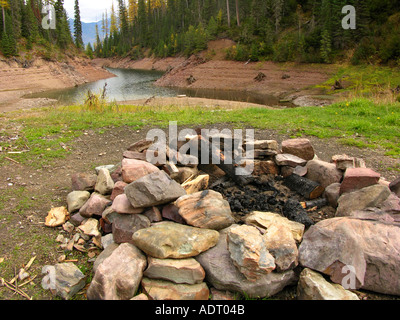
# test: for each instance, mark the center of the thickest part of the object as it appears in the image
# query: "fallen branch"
(13, 288)
(12, 160)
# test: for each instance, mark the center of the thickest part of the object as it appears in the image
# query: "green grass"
(364, 80)
(359, 123)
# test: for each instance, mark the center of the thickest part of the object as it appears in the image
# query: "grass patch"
(368, 81)
(359, 123)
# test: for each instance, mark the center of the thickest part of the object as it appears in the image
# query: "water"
(132, 84)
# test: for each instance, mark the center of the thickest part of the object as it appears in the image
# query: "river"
(132, 84)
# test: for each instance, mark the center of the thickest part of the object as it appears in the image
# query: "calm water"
(139, 84)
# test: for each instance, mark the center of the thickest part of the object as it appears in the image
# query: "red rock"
(358, 178)
(133, 170)
(94, 206)
(324, 173)
(122, 205)
(301, 148)
(118, 189)
(153, 214)
(171, 212)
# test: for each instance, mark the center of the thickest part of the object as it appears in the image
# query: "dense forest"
(279, 30)
(22, 27)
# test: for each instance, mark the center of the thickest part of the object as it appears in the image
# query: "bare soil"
(18, 78)
(27, 194)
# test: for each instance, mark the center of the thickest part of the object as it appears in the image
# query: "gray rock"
(172, 240)
(124, 226)
(286, 159)
(332, 194)
(222, 274)
(153, 189)
(361, 199)
(65, 278)
(118, 276)
(76, 199)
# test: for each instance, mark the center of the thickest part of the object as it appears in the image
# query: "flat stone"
(267, 219)
(343, 161)
(122, 205)
(133, 170)
(324, 173)
(262, 144)
(222, 274)
(134, 155)
(313, 286)
(249, 253)
(76, 199)
(166, 290)
(140, 297)
(57, 217)
(124, 226)
(264, 167)
(286, 159)
(206, 209)
(358, 178)
(94, 206)
(173, 240)
(90, 227)
(153, 189)
(371, 196)
(301, 148)
(140, 145)
(187, 271)
(118, 276)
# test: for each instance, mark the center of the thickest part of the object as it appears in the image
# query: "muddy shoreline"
(289, 82)
(19, 78)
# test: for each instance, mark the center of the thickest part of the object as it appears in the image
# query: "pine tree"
(113, 23)
(78, 26)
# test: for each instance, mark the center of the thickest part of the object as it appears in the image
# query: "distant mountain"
(88, 31)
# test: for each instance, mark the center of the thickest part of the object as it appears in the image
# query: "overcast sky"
(91, 10)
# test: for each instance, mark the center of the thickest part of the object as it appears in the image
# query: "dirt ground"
(18, 78)
(27, 194)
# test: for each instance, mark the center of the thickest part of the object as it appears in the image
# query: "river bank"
(19, 77)
(291, 82)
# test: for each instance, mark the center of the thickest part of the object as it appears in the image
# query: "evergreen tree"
(78, 26)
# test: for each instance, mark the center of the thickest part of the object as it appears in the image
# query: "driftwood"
(305, 187)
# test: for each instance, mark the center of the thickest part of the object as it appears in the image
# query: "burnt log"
(227, 165)
(293, 210)
(317, 203)
(305, 187)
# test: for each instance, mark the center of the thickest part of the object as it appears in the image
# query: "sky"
(91, 10)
